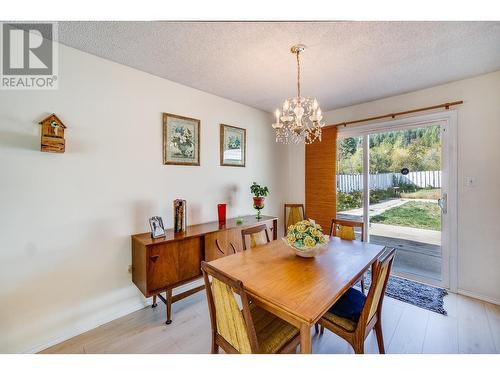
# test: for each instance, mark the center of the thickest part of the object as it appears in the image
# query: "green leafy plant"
(259, 191)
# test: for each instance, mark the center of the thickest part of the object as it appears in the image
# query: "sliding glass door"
(405, 186)
(350, 180)
(395, 180)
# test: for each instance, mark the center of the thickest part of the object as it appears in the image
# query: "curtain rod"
(393, 115)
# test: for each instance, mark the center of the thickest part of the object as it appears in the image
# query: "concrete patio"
(418, 250)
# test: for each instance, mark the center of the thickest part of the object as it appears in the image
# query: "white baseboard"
(481, 297)
(129, 307)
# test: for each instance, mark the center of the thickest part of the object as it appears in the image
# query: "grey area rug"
(418, 294)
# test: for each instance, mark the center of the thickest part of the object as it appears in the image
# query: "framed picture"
(233, 146)
(157, 229)
(181, 140)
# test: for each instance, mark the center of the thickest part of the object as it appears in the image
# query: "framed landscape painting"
(233, 144)
(181, 140)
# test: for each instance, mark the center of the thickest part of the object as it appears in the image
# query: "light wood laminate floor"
(472, 326)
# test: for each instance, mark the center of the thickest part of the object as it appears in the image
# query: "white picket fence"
(348, 183)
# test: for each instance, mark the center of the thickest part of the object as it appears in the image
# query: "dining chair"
(247, 330)
(345, 230)
(354, 315)
(259, 235)
(296, 213)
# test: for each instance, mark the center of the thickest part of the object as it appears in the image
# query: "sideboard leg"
(169, 307)
(154, 302)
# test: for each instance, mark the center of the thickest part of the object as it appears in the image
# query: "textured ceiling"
(249, 62)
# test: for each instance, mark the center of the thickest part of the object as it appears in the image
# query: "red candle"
(221, 210)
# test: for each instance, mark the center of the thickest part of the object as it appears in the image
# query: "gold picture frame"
(181, 140)
(233, 146)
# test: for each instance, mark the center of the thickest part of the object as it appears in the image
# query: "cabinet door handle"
(218, 246)
(154, 258)
(234, 248)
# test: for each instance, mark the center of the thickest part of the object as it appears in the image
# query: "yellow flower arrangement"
(309, 242)
(315, 232)
(301, 228)
(305, 234)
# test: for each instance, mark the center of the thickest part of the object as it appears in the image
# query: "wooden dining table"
(299, 290)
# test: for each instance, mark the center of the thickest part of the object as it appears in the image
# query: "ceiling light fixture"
(299, 121)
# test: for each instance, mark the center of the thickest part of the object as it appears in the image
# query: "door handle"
(218, 246)
(234, 248)
(154, 258)
(443, 203)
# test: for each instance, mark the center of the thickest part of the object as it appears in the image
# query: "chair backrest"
(233, 325)
(258, 236)
(345, 229)
(380, 275)
(295, 214)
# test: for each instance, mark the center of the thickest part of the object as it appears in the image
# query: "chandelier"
(299, 120)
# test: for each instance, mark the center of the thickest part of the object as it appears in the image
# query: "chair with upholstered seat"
(295, 214)
(345, 230)
(247, 330)
(354, 316)
(258, 236)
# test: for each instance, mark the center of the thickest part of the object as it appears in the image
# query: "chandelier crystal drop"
(299, 120)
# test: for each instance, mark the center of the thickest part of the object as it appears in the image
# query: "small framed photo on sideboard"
(157, 229)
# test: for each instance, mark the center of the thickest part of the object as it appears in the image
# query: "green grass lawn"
(423, 194)
(412, 214)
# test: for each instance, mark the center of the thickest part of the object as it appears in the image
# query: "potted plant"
(259, 194)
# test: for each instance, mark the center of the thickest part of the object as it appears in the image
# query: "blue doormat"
(418, 294)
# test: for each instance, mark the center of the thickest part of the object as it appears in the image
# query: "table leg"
(305, 339)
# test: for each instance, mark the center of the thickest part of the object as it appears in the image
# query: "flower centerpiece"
(306, 238)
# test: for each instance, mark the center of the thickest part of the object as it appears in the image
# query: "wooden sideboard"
(161, 264)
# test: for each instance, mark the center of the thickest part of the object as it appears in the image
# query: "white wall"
(66, 219)
(478, 155)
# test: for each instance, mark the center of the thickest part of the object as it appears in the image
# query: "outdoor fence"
(348, 183)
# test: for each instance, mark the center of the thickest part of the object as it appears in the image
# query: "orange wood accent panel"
(320, 175)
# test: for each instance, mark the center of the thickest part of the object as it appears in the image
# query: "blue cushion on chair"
(349, 306)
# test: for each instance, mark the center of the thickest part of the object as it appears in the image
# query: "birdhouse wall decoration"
(52, 139)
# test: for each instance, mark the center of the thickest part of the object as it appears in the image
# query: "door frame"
(448, 119)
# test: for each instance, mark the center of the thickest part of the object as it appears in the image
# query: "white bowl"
(306, 252)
